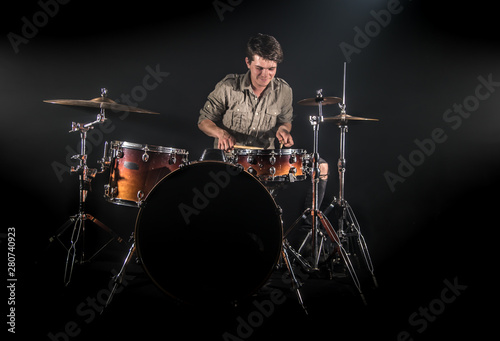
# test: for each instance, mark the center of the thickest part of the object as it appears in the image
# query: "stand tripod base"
(78, 236)
(319, 248)
(349, 228)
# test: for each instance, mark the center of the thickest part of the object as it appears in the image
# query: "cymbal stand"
(85, 176)
(316, 236)
(313, 211)
(348, 225)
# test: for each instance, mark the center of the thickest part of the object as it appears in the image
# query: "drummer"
(254, 109)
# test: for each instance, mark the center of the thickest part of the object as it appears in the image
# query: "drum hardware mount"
(85, 176)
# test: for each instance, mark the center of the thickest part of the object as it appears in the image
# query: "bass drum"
(209, 232)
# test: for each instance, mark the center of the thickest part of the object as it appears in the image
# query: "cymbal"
(99, 102)
(315, 102)
(343, 118)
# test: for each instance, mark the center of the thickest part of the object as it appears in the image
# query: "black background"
(438, 224)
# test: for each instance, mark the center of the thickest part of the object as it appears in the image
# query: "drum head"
(209, 233)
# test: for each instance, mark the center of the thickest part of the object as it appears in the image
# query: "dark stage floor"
(408, 304)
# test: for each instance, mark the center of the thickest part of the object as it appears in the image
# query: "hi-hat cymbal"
(99, 102)
(316, 100)
(344, 118)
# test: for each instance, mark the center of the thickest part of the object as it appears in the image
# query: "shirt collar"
(245, 83)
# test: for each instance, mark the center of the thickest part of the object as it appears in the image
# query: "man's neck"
(258, 91)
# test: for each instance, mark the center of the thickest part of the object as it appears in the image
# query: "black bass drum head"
(209, 232)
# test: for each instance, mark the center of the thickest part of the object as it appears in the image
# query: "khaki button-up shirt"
(251, 120)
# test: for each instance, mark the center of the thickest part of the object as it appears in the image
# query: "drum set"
(191, 214)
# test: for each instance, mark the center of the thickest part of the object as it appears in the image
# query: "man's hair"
(265, 46)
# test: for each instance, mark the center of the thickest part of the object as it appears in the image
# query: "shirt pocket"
(270, 118)
(237, 119)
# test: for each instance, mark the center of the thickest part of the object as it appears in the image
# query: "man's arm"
(225, 140)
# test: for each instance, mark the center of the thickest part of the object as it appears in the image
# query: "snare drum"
(272, 165)
(136, 168)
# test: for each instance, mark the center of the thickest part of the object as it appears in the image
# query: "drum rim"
(285, 151)
(148, 147)
(144, 205)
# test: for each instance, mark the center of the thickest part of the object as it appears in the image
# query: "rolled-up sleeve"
(215, 106)
(286, 113)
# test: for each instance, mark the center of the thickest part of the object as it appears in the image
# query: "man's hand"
(226, 140)
(283, 135)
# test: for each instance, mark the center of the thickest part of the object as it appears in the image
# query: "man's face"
(262, 71)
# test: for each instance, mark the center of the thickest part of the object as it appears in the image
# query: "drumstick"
(281, 144)
(245, 147)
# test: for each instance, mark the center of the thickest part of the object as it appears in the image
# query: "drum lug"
(293, 158)
(140, 196)
(110, 192)
(272, 159)
(272, 170)
(145, 156)
(172, 160)
(119, 152)
(252, 171)
(293, 170)
(250, 159)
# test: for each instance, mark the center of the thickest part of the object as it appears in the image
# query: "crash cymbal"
(343, 118)
(99, 102)
(315, 101)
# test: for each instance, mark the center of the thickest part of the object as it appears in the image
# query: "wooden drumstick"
(246, 147)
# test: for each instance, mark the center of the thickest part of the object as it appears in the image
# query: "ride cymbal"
(99, 102)
(343, 118)
(316, 100)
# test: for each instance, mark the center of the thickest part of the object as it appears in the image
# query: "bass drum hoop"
(200, 260)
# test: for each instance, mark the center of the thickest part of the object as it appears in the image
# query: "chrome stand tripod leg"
(295, 282)
(343, 254)
(75, 236)
(119, 277)
(361, 242)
